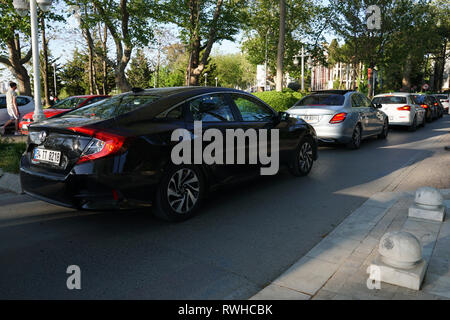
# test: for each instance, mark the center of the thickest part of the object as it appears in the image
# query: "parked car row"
(117, 153)
(63, 106)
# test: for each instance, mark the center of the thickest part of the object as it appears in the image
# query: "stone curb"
(357, 234)
(10, 182)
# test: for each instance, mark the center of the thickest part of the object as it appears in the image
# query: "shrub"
(10, 154)
(280, 101)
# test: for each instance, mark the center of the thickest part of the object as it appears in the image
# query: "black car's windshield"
(69, 103)
(389, 100)
(318, 100)
(112, 107)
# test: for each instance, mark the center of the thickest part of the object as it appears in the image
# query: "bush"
(10, 154)
(280, 101)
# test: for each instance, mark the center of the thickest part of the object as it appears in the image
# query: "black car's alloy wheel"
(303, 158)
(180, 193)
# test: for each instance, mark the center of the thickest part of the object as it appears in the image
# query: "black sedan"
(118, 153)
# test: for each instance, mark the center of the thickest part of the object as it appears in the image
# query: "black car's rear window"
(112, 107)
(419, 99)
(389, 100)
(318, 100)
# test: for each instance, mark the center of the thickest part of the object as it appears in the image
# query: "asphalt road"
(244, 237)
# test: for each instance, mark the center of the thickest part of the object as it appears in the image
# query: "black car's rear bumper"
(87, 192)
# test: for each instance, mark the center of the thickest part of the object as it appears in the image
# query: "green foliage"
(10, 155)
(280, 101)
(139, 74)
(234, 70)
(262, 24)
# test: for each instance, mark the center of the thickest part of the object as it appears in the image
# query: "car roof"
(400, 94)
(341, 92)
(20, 95)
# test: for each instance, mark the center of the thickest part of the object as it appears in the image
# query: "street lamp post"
(296, 62)
(216, 81)
(22, 7)
(206, 79)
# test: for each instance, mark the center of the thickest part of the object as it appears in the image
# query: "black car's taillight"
(102, 145)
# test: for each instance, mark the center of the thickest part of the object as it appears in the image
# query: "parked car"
(401, 109)
(340, 116)
(63, 106)
(117, 153)
(25, 104)
(444, 98)
(425, 101)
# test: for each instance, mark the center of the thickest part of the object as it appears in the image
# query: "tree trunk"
(280, 52)
(406, 80)
(105, 66)
(44, 67)
(15, 64)
(197, 66)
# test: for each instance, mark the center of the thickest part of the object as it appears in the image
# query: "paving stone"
(333, 249)
(439, 266)
(336, 282)
(436, 284)
(384, 199)
(308, 275)
(367, 245)
(324, 295)
(275, 292)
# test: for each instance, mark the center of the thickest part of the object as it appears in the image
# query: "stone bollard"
(428, 205)
(399, 261)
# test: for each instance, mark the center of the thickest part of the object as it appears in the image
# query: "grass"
(10, 154)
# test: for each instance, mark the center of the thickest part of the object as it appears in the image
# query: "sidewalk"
(336, 268)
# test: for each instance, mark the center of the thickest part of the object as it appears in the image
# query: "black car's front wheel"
(302, 158)
(180, 193)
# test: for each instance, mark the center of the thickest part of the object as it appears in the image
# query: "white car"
(444, 98)
(25, 104)
(401, 109)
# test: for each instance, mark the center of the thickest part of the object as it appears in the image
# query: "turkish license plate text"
(45, 155)
(310, 118)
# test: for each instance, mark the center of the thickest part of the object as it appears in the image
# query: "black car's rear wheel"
(302, 158)
(180, 193)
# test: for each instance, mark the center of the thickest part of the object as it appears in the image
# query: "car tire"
(424, 121)
(302, 159)
(413, 126)
(385, 132)
(355, 143)
(180, 193)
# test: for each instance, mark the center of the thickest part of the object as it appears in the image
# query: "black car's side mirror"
(282, 116)
(378, 105)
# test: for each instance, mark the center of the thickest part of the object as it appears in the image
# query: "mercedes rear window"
(319, 100)
(419, 99)
(389, 100)
(112, 107)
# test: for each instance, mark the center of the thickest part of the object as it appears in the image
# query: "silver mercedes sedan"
(340, 116)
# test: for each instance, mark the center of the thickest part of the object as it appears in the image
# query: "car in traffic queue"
(401, 109)
(444, 98)
(426, 102)
(63, 106)
(24, 103)
(116, 153)
(341, 116)
(437, 103)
